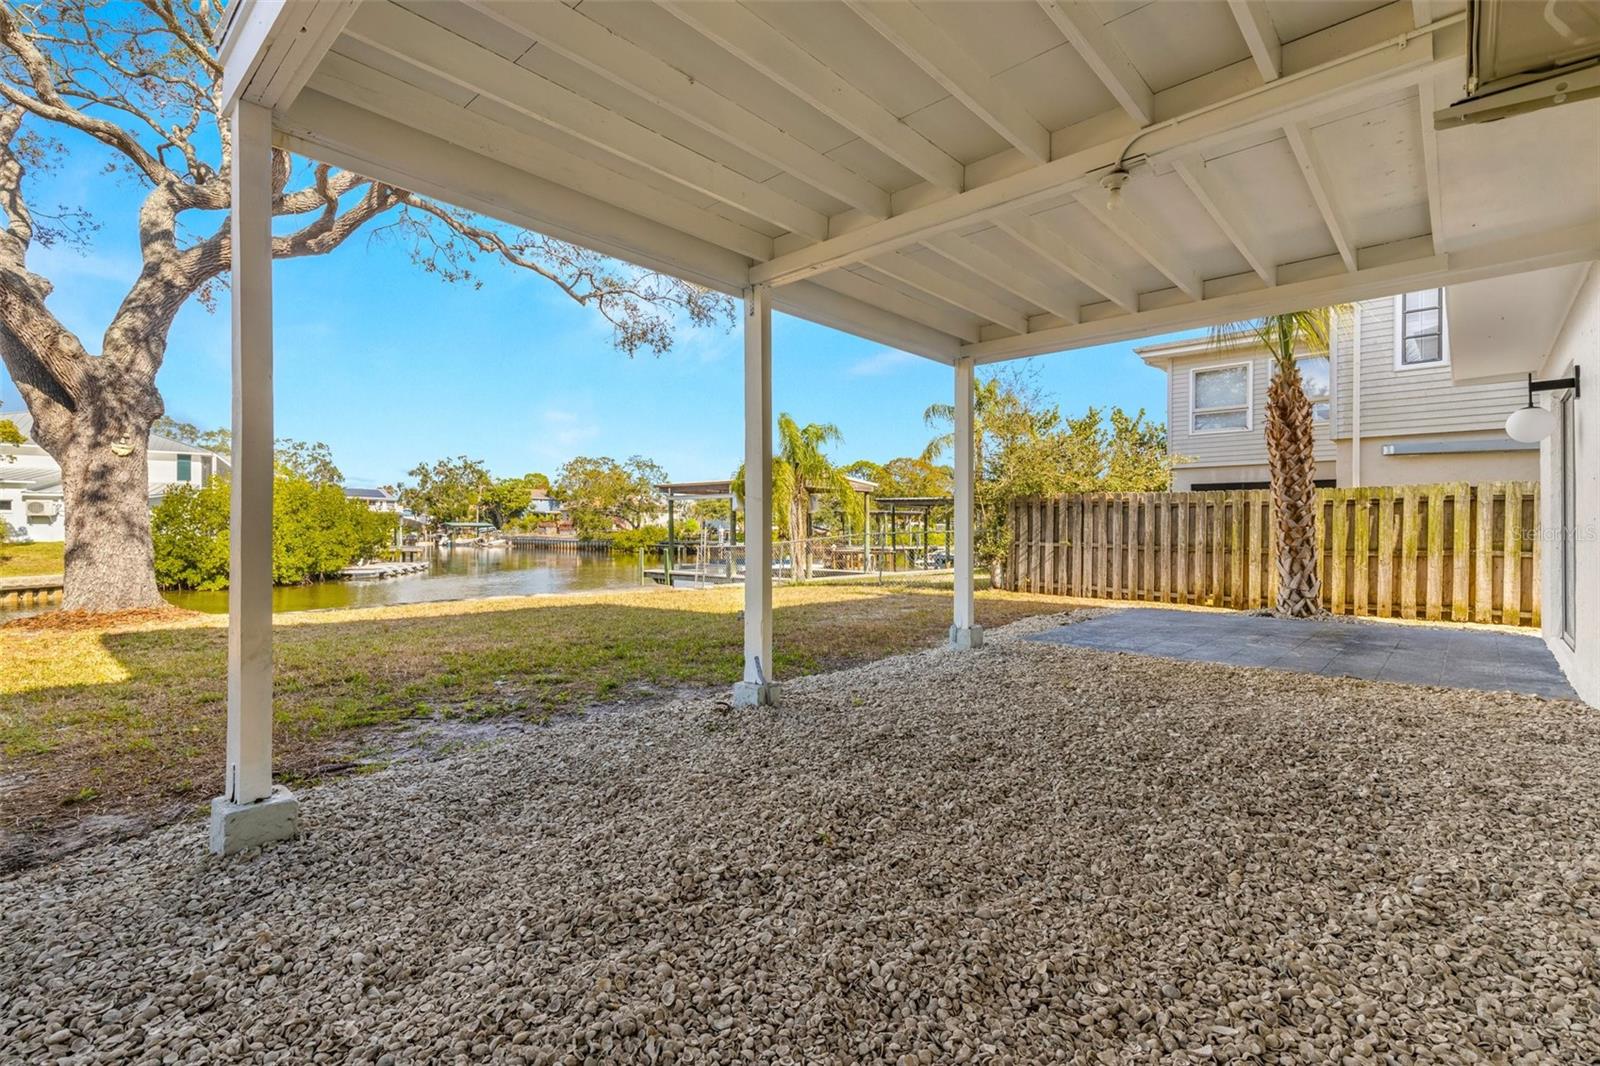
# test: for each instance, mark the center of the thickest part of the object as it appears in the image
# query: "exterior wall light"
(1532, 424)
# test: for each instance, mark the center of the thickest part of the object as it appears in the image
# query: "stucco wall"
(1380, 469)
(1578, 344)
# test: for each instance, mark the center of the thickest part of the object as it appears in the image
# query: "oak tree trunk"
(106, 486)
(1290, 444)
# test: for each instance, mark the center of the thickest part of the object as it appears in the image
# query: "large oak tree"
(140, 79)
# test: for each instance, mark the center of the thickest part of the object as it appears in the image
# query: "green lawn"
(133, 720)
(26, 560)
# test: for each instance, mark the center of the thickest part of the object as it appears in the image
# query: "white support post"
(250, 810)
(965, 632)
(757, 688)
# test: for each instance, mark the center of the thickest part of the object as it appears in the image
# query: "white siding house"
(31, 502)
(1392, 417)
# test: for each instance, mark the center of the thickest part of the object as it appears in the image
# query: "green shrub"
(316, 532)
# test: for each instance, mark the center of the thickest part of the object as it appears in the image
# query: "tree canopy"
(598, 492)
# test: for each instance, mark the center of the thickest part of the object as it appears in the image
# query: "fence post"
(1435, 552)
(1483, 557)
(1408, 552)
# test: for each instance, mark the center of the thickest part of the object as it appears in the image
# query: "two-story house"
(31, 501)
(1393, 416)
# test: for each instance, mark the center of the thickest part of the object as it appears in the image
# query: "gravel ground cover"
(1027, 853)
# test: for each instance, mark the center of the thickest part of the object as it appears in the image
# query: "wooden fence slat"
(1114, 542)
(1321, 534)
(1435, 552)
(1361, 552)
(1483, 555)
(1536, 583)
(1338, 538)
(1461, 552)
(1252, 526)
(1408, 552)
(1511, 557)
(1215, 504)
(1386, 541)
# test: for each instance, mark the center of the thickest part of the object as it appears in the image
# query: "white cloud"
(881, 362)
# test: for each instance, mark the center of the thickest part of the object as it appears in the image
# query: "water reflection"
(455, 574)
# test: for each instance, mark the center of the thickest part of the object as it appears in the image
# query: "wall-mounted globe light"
(1532, 424)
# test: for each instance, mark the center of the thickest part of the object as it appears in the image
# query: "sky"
(392, 367)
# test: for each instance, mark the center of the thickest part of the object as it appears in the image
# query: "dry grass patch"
(132, 720)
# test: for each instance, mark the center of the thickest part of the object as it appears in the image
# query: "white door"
(1569, 527)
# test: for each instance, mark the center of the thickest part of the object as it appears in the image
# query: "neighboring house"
(543, 503)
(376, 499)
(31, 501)
(1395, 417)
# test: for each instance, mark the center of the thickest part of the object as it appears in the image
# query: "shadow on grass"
(104, 724)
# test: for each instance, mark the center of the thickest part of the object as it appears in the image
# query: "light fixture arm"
(1553, 385)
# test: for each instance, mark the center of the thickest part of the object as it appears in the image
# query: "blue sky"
(391, 366)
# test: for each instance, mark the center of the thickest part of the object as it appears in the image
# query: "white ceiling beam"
(740, 31)
(1430, 162)
(1232, 219)
(1009, 276)
(867, 287)
(343, 135)
(269, 50)
(1408, 265)
(414, 40)
(1156, 249)
(923, 277)
(1316, 175)
(1421, 12)
(1374, 70)
(940, 58)
(825, 304)
(1255, 24)
(586, 42)
(382, 94)
(1057, 250)
(1081, 26)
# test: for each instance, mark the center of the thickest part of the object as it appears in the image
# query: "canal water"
(455, 574)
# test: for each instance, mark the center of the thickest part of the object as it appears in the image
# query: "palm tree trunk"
(1290, 444)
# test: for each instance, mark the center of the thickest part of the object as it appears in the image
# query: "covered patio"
(971, 182)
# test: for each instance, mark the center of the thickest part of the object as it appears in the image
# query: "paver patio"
(1489, 660)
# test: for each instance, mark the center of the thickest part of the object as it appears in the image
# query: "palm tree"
(800, 471)
(1290, 432)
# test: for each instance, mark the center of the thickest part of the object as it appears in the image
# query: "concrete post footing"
(237, 826)
(966, 637)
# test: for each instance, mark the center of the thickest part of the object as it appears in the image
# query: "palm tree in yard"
(1290, 431)
(801, 470)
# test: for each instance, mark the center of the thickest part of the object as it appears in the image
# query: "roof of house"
(355, 492)
(158, 443)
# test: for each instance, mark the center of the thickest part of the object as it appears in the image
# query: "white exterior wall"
(51, 527)
(1577, 344)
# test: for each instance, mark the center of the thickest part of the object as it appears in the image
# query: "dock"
(382, 571)
(35, 591)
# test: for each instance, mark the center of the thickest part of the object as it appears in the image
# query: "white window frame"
(1249, 397)
(1400, 335)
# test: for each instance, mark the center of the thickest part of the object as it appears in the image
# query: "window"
(1221, 398)
(185, 463)
(5, 505)
(1421, 329)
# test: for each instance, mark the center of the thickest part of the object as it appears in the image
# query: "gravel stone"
(1022, 853)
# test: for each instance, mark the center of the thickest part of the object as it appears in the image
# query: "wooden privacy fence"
(1467, 553)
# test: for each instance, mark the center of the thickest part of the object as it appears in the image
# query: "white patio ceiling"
(928, 174)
